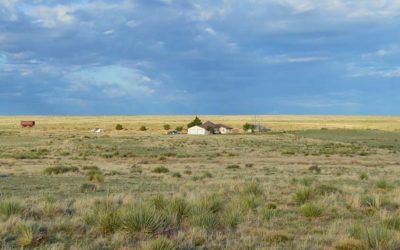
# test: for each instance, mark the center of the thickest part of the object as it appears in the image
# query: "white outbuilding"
(198, 130)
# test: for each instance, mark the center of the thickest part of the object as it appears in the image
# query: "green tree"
(249, 127)
(119, 127)
(167, 127)
(195, 122)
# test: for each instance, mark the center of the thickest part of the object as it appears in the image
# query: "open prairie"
(314, 182)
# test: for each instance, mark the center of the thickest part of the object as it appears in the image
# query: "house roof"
(209, 124)
(224, 126)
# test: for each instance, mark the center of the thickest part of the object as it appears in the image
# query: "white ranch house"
(205, 128)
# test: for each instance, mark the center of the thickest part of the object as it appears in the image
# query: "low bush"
(234, 166)
(60, 170)
(160, 170)
(119, 127)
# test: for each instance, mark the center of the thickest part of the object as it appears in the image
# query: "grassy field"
(315, 182)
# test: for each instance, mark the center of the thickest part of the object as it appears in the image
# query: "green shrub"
(310, 210)
(383, 184)
(325, 189)
(234, 166)
(177, 175)
(179, 128)
(144, 220)
(364, 176)
(119, 127)
(303, 195)
(249, 165)
(143, 128)
(60, 170)
(10, 207)
(160, 170)
(167, 127)
(206, 175)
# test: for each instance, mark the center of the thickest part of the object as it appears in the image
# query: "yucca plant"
(178, 209)
(203, 218)
(142, 219)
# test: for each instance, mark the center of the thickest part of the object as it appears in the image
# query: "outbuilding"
(27, 124)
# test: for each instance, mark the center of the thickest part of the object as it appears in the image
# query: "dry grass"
(301, 189)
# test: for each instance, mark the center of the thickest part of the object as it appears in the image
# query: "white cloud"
(132, 23)
(282, 59)
(113, 81)
(210, 31)
(50, 17)
(108, 32)
(383, 72)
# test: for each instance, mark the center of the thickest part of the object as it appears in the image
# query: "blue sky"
(200, 57)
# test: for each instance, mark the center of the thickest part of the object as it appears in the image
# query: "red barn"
(27, 124)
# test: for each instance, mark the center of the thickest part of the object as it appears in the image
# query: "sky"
(93, 57)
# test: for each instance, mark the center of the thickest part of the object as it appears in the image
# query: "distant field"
(155, 123)
(315, 182)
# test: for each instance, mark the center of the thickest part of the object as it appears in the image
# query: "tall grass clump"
(303, 195)
(393, 222)
(31, 235)
(370, 201)
(10, 207)
(253, 188)
(383, 184)
(143, 219)
(310, 210)
(159, 244)
(105, 217)
(214, 203)
(375, 237)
